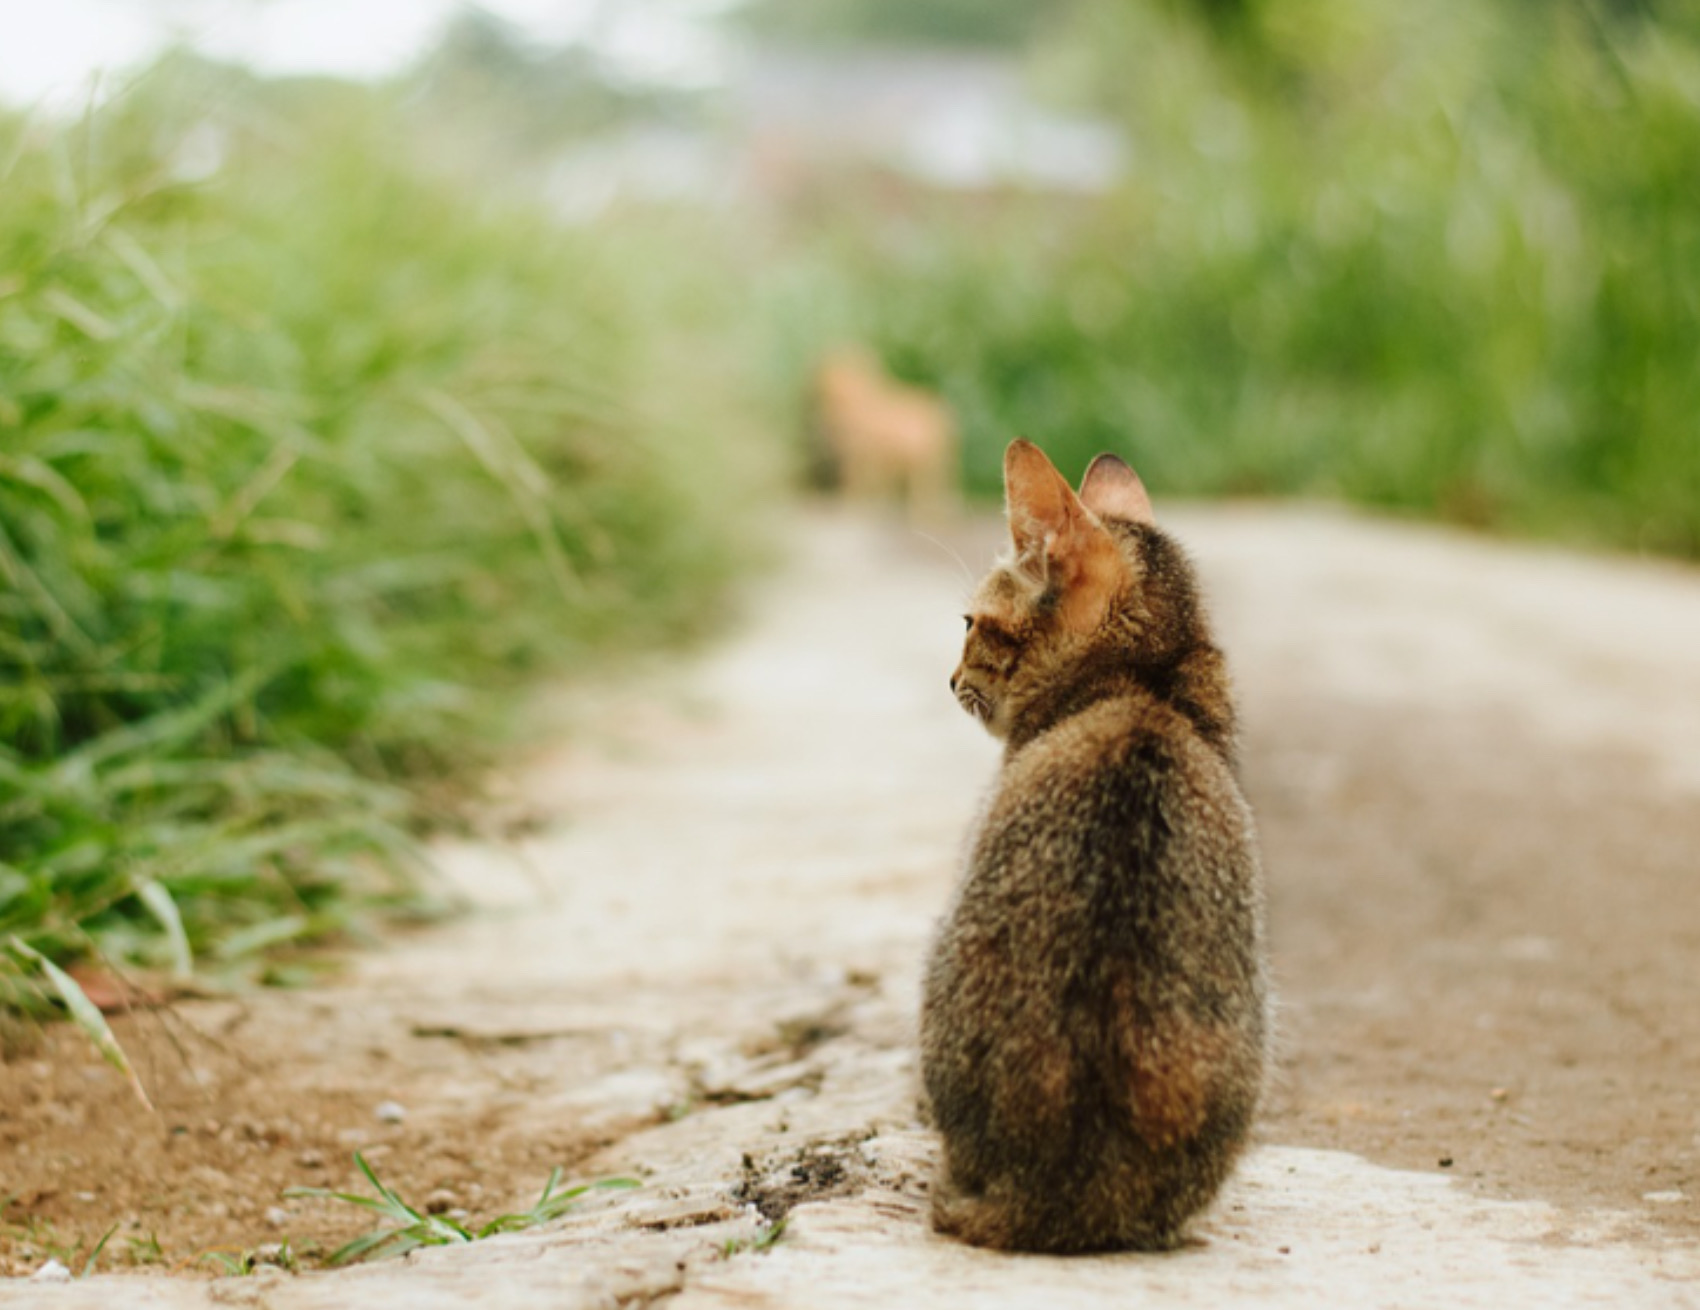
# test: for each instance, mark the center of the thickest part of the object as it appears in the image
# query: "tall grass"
(310, 460)
(1441, 258)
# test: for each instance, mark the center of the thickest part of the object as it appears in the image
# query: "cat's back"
(1116, 858)
(1114, 788)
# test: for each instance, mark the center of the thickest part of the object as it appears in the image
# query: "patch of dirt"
(819, 1171)
(280, 1090)
(277, 1093)
(1487, 953)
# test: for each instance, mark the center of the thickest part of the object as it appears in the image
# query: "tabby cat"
(1094, 1021)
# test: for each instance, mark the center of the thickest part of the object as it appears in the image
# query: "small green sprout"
(409, 1228)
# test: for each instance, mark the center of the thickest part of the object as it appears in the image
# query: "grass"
(1437, 261)
(82, 1011)
(239, 1264)
(312, 462)
(765, 1240)
(408, 1227)
(37, 1238)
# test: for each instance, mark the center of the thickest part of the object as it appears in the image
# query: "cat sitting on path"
(1094, 1023)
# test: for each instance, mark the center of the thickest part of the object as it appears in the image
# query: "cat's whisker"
(967, 573)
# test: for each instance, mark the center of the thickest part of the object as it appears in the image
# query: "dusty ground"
(1476, 769)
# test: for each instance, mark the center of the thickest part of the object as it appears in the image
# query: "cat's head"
(1089, 582)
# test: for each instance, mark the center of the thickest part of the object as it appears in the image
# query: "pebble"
(390, 1112)
(51, 1272)
(1663, 1198)
(277, 1216)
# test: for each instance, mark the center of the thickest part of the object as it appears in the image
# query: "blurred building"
(783, 119)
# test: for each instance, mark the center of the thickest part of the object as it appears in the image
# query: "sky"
(51, 49)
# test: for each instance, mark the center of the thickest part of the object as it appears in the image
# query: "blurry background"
(360, 366)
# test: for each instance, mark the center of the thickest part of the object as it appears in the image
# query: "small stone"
(1664, 1198)
(441, 1201)
(277, 1216)
(1446, 1162)
(390, 1112)
(51, 1272)
(1499, 1094)
(311, 1159)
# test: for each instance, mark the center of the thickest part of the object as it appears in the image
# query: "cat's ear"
(1112, 490)
(1056, 540)
(1038, 501)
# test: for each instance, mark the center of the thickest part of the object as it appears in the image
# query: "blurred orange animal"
(885, 438)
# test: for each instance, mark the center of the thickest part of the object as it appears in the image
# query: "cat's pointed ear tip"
(1023, 462)
(1111, 487)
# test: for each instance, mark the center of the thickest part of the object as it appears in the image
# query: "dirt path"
(1478, 775)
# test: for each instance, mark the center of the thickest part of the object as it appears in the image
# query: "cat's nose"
(953, 684)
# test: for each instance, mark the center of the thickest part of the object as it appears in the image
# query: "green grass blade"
(43, 477)
(401, 1207)
(362, 1248)
(449, 1230)
(557, 1204)
(88, 1265)
(85, 1014)
(351, 1198)
(165, 911)
(167, 728)
(273, 932)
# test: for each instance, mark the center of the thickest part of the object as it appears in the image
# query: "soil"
(1529, 1031)
(1476, 770)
